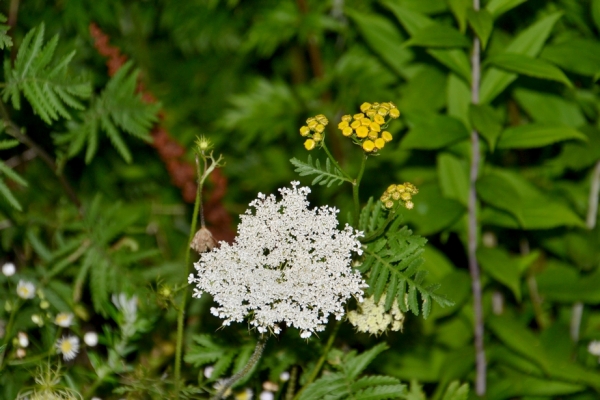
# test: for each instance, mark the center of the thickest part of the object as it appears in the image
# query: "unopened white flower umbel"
(64, 319)
(26, 290)
(68, 347)
(289, 264)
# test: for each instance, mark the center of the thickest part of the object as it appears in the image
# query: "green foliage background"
(246, 75)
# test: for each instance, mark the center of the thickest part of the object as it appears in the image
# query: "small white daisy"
(91, 339)
(9, 269)
(68, 347)
(25, 290)
(64, 319)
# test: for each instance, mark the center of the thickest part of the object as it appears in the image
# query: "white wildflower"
(68, 347)
(64, 319)
(90, 338)
(266, 395)
(9, 269)
(372, 318)
(25, 289)
(23, 339)
(594, 348)
(284, 376)
(208, 371)
(246, 394)
(289, 264)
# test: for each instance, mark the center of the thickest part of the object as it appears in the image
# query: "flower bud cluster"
(399, 194)
(314, 130)
(372, 318)
(366, 129)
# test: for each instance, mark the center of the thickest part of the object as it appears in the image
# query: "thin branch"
(480, 383)
(15, 131)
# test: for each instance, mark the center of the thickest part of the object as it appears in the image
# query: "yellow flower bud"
(309, 144)
(347, 118)
(347, 131)
(304, 131)
(368, 146)
(405, 196)
(385, 135)
(376, 105)
(389, 204)
(317, 137)
(392, 105)
(385, 105)
(343, 124)
(394, 113)
(379, 119)
(409, 205)
(365, 121)
(391, 189)
(383, 111)
(310, 120)
(365, 106)
(319, 128)
(371, 113)
(362, 131)
(384, 198)
(379, 143)
(322, 119)
(355, 124)
(396, 196)
(372, 135)
(375, 126)
(358, 116)
(311, 123)
(401, 188)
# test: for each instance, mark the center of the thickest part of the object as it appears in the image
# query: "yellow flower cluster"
(366, 128)
(314, 130)
(401, 193)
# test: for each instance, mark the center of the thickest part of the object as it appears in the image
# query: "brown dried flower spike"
(203, 241)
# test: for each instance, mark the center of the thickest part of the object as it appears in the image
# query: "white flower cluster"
(372, 318)
(289, 264)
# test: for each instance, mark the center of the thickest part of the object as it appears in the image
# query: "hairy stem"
(15, 131)
(258, 350)
(355, 188)
(181, 310)
(317, 369)
(480, 380)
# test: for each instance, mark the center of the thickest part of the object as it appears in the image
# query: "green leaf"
(499, 192)
(437, 35)
(578, 55)
(525, 65)
(5, 39)
(529, 43)
(453, 175)
(486, 122)
(355, 365)
(499, 7)
(550, 109)
(560, 282)
(459, 9)
(432, 131)
(500, 266)
(413, 21)
(383, 38)
(7, 194)
(596, 13)
(422, 91)
(328, 176)
(459, 99)
(536, 135)
(455, 59)
(482, 23)
(456, 391)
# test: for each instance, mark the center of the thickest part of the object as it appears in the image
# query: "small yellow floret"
(391, 189)
(389, 204)
(362, 131)
(355, 124)
(396, 196)
(358, 116)
(382, 111)
(322, 119)
(409, 205)
(309, 144)
(368, 146)
(394, 113)
(376, 105)
(379, 143)
(371, 113)
(375, 126)
(405, 196)
(379, 119)
(304, 131)
(347, 131)
(385, 135)
(365, 106)
(347, 118)
(365, 121)
(372, 135)
(312, 124)
(392, 105)
(310, 120)
(320, 128)
(384, 198)
(317, 137)
(343, 124)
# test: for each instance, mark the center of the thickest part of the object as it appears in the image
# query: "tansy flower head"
(288, 265)
(399, 194)
(314, 130)
(25, 290)
(366, 129)
(68, 347)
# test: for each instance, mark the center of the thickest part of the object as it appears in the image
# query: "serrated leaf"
(323, 176)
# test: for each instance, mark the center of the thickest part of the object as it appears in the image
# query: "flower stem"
(355, 187)
(181, 311)
(321, 361)
(258, 350)
(7, 333)
(335, 163)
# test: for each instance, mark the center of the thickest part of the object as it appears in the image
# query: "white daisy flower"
(64, 319)
(289, 264)
(68, 347)
(9, 269)
(23, 339)
(25, 290)
(90, 338)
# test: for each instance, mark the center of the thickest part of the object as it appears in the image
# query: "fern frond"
(392, 266)
(328, 176)
(48, 89)
(118, 108)
(4, 189)
(345, 384)
(5, 39)
(456, 391)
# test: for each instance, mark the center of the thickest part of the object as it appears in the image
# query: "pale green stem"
(355, 187)
(7, 333)
(335, 163)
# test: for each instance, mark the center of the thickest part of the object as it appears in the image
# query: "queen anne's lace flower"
(289, 264)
